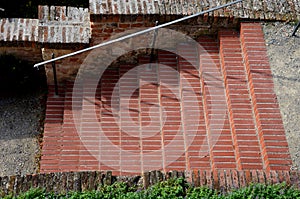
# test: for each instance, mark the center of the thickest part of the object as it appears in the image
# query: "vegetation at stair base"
(170, 189)
(29, 8)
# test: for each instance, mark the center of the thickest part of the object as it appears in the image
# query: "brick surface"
(19, 30)
(242, 139)
(53, 129)
(60, 24)
(265, 105)
(196, 142)
(213, 111)
(170, 104)
(214, 99)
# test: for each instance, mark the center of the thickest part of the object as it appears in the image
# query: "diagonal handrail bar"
(137, 33)
(295, 29)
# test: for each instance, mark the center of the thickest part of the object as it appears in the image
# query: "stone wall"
(223, 180)
(61, 24)
(19, 30)
(250, 9)
(56, 24)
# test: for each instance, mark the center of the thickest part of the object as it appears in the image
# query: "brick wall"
(56, 24)
(104, 27)
(19, 30)
(61, 24)
(223, 180)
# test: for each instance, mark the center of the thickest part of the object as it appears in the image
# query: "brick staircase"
(173, 116)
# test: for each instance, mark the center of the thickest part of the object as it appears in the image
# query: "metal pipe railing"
(153, 43)
(54, 75)
(153, 46)
(138, 33)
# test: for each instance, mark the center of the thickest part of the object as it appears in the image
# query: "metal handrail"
(153, 43)
(137, 33)
(153, 46)
(54, 75)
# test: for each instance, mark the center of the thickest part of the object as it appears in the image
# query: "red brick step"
(206, 107)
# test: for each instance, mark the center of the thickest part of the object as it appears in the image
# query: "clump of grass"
(170, 189)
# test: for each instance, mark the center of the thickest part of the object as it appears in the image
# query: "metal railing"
(153, 46)
(54, 75)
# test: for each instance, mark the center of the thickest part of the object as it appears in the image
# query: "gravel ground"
(19, 129)
(284, 55)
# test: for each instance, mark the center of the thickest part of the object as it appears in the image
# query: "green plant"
(173, 188)
(278, 191)
(203, 192)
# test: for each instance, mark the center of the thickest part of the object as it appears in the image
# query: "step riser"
(214, 98)
(238, 125)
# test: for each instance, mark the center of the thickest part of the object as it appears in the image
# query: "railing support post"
(153, 43)
(54, 76)
(295, 29)
(152, 47)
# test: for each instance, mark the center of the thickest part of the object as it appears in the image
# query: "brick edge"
(223, 180)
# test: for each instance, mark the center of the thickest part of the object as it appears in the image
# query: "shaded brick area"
(216, 110)
(62, 30)
(194, 128)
